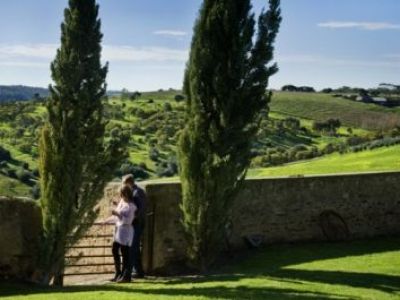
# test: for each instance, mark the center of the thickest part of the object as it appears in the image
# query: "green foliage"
(330, 126)
(225, 84)
(75, 162)
(5, 155)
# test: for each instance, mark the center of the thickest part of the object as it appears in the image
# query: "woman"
(123, 216)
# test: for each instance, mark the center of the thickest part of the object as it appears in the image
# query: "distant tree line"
(293, 88)
(21, 93)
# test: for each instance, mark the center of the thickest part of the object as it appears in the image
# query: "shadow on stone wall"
(20, 227)
(281, 210)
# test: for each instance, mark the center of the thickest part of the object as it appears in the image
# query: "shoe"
(116, 277)
(123, 280)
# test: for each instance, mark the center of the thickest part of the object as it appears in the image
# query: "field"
(383, 159)
(316, 106)
(355, 270)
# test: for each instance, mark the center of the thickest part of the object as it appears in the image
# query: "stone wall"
(267, 211)
(282, 210)
(20, 225)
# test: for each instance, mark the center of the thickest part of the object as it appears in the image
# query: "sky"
(322, 43)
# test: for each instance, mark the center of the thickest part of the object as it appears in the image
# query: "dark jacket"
(139, 198)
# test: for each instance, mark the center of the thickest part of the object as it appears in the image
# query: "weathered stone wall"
(20, 225)
(283, 210)
(269, 210)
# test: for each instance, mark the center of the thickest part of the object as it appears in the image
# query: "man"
(139, 199)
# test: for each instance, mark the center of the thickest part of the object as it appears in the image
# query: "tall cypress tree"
(225, 82)
(75, 160)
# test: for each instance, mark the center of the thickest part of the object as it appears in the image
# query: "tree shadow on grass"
(379, 282)
(220, 292)
(271, 263)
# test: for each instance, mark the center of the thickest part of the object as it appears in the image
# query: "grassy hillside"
(153, 122)
(317, 106)
(383, 159)
(351, 270)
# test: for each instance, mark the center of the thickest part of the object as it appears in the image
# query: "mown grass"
(355, 270)
(321, 107)
(382, 159)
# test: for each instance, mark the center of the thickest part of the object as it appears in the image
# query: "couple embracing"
(129, 218)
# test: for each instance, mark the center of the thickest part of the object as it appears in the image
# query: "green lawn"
(356, 270)
(382, 159)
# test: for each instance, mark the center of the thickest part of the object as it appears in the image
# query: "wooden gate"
(92, 254)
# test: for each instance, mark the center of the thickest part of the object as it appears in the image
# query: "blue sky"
(322, 43)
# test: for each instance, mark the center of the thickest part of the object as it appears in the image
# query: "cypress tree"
(225, 82)
(75, 160)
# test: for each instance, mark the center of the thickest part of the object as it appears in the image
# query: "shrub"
(136, 129)
(167, 169)
(330, 126)
(4, 154)
(11, 173)
(154, 154)
(179, 98)
(355, 140)
(24, 176)
(137, 171)
(25, 148)
(35, 191)
(307, 154)
(115, 132)
(299, 147)
(167, 106)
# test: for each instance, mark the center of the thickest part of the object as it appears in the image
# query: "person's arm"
(109, 220)
(127, 214)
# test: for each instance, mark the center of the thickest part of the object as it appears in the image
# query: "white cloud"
(23, 64)
(37, 51)
(174, 33)
(31, 54)
(386, 62)
(360, 25)
(140, 54)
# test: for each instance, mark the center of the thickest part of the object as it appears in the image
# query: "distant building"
(364, 98)
(369, 99)
(380, 100)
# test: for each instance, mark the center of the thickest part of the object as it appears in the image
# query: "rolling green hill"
(382, 159)
(320, 107)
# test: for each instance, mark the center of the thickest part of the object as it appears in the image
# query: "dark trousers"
(124, 250)
(136, 252)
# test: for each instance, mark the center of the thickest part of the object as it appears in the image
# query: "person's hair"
(128, 179)
(126, 192)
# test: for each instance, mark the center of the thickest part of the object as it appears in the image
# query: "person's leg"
(131, 257)
(137, 253)
(117, 260)
(126, 275)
